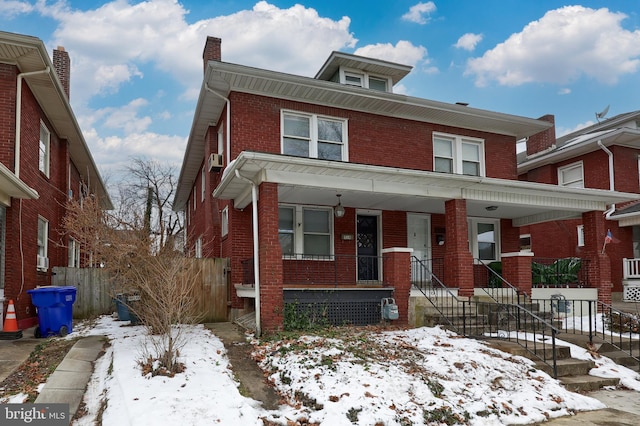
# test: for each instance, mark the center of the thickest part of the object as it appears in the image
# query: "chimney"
(62, 65)
(544, 140)
(212, 51)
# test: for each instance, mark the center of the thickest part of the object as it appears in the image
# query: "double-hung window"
(44, 148)
(484, 239)
(305, 231)
(459, 155)
(571, 175)
(313, 136)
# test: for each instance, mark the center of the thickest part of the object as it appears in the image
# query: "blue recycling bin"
(55, 309)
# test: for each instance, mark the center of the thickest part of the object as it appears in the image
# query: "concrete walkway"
(68, 383)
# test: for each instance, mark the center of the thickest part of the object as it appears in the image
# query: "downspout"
(256, 251)
(228, 124)
(16, 167)
(612, 209)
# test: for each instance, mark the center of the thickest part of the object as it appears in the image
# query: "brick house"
(44, 161)
(603, 156)
(331, 191)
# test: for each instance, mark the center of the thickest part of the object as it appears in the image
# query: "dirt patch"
(36, 369)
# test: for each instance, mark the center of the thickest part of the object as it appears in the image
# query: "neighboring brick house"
(44, 161)
(323, 189)
(604, 156)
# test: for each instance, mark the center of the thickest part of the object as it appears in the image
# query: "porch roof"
(12, 186)
(363, 186)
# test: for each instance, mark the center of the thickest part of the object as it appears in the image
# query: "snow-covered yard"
(365, 376)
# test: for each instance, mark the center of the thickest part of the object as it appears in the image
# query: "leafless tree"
(132, 243)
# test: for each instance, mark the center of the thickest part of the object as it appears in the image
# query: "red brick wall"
(22, 216)
(372, 139)
(543, 140)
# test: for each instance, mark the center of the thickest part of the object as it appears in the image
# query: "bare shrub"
(163, 278)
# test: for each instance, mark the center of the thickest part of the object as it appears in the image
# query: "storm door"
(367, 240)
(418, 238)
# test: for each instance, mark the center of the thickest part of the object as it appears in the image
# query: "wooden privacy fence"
(95, 293)
(93, 290)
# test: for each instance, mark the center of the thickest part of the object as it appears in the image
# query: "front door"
(367, 240)
(419, 239)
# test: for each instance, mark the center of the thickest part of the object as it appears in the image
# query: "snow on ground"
(365, 376)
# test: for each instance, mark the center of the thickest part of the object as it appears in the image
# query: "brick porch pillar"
(516, 269)
(458, 272)
(270, 252)
(599, 265)
(397, 273)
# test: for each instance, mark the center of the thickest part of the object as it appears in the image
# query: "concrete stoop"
(573, 373)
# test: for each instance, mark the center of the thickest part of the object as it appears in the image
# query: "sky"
(376, 376)
(136, 66)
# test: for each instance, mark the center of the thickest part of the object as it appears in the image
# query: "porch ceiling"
(316, 182)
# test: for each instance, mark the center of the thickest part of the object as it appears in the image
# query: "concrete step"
(622, 358)
(568, 367)
(586, 383)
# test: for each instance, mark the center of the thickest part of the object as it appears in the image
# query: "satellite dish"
(601, 114)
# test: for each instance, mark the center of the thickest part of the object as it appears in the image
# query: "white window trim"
(224, 221)
(298, 230)
(203, 175)
(43, 250)
(457, 142)
(45, 166)
(577, 165)
(365, 76)
(74, 253)
(198, 248)
(580, 231)
(472, 223)
(313, 130)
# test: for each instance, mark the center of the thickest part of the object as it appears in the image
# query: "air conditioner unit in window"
(43, 263)
(215, 162)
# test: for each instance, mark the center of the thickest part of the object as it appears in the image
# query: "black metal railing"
(560, 272)
(471, 318)
(495, 286)
(599, 322)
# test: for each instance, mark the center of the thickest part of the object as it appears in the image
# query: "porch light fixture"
(338, 210)
(491, 208)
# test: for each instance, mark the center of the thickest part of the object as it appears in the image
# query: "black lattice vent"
(337, 307)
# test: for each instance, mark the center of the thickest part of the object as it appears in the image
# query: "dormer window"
(360, 71)
(352, 78)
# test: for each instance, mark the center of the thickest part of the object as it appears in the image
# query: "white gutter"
(228, 123)
(612, 209)
(16, 168)
(256, 249)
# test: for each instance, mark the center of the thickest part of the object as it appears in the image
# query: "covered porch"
(387, 216)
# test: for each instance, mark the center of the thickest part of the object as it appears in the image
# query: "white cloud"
(564, 45)
(420, 12)
(9, 9)
(564, 91)
(404, 52)
(468, 41)
(110, 45)
(126, 118)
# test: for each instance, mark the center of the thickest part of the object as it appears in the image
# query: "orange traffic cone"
(10, 321)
